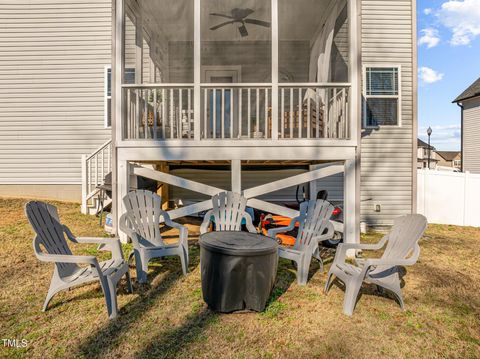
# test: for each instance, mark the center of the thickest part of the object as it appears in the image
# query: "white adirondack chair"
(141, 222)
(314, 220)
(228, 211)
(402, 249)
(50, 234)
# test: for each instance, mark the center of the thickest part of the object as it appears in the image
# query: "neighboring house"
(233, 106)
(423, 152)
(469, 102)
(451, 159)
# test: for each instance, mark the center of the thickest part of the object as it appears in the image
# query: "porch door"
(221, 76)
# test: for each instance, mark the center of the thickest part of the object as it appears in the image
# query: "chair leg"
(320, 263)
(51, 293)
(129, 282)
(141, 265)
(113, 310)
(329, 282)
(105, 284)
(55, 284)
(352, 288)
(184, 261)
(303, 267)
(397, 291)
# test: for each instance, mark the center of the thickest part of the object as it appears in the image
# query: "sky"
(448, 62)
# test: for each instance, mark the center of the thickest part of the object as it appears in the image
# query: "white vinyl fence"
(449, 198)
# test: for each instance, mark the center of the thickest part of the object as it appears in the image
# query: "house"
(452, 159)
(469, 102)
(426, 153)
(274, 98)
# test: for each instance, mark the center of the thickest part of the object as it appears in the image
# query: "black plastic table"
(238, 270)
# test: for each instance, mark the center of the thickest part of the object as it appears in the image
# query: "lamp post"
(429, 133)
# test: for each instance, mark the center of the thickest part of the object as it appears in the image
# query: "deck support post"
(237, 176)
(164, 190)
(123, 184)
(351, 232)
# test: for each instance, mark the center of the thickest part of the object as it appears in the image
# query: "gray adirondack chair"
(314, 220)
(50, 234)
(228, 211)
(402, 249)
(141, 222)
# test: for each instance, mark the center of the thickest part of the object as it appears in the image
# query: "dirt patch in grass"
(168, 318)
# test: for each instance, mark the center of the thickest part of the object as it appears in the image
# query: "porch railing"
(313, 111)
(95, 167)
(159, 112)
(236, 111)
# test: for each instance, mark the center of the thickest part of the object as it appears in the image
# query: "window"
(129, 79)
(457, 163)
(382, 96)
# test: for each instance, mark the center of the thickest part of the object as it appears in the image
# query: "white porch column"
(118, 64)
(274, 70)
(351, 232)
(237, 176)
(197, 70)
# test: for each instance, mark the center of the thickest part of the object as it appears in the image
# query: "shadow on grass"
(170, 343)
(108, 337)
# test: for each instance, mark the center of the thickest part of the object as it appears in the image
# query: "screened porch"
(236, 70)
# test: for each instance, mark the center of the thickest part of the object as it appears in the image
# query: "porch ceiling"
(298, 20)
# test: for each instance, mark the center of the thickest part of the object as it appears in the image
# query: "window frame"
(107, 97)
(365, 97)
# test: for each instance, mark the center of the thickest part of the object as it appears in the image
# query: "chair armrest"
(62, 258)
(110, 244)
(206, 222)
(394, 261)
(123, 224)
(364, 246)
(328, 235)
(95, 240)
(274, 231)
(249, 224)
(124, 227)
(183, 230)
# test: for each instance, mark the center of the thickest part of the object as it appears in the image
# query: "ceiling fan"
(239, 16)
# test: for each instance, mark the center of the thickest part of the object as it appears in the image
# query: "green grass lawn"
(168, 317)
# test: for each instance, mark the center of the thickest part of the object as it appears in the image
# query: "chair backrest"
(228, 210)
(314, 219)
(144, 213)
(404, 235)
(44, 220)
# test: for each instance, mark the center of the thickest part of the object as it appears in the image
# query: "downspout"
(461, 136)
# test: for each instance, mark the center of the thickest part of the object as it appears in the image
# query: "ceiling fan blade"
(257, 22)
(243, 31)
(221, 15)
(222, 24)
(239, 13)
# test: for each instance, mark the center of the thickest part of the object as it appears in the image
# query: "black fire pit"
(238, 270)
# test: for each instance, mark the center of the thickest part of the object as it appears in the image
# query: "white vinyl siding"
(52, 64)
(386, 152)
(471, 135)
